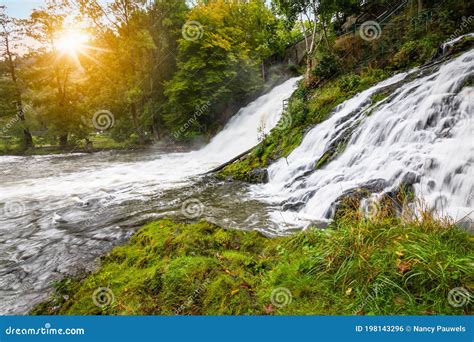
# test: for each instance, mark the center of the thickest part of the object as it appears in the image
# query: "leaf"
(403, 267)
(234, 292)
(349, 291)
(268, 309)
(399, 300)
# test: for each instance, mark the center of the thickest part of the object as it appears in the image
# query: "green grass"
(307, 107)
(350, 66)
(13, 146)
(358, 266)
(104, 141)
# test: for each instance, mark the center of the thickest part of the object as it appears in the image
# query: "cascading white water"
(423, 131)
(58, 213)
(240, 134)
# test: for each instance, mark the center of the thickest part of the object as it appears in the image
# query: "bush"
(327, 67)
(349, 82)
(412, 53)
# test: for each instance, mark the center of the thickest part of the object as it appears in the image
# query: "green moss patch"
(357, 266)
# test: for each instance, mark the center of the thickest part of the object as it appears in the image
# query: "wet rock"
(410, 178)
(431, 184)
(259, 175)
(352, 198)
(293, 206)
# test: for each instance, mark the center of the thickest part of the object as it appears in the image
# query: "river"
(60, 212)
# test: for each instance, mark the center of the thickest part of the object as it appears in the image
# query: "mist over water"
(66, 210)
(70, 209)
(423, 131)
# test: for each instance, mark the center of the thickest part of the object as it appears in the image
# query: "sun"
(72, 42)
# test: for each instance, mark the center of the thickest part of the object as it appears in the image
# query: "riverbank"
(380, 266)
(99, 143)
(350, 66)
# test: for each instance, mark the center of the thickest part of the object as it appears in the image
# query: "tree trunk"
(309, 67)
(27, 138)
(63, 140)
(325, 35)
(141, 138)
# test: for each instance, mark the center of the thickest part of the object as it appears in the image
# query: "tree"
(140, 40)
(52, 75)
(305, 10)
(219, 57)
(9, 36)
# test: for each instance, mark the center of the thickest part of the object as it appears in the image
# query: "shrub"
(413, 52)
(327, 67)
(349, 82)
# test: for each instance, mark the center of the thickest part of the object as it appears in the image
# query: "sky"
(21, 8)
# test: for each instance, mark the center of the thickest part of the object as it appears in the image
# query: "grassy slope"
(307, 108)
(379, 266)
(360, 267)
(349, 66)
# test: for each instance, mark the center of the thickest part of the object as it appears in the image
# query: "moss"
(378, 97)
(323, 160)
(414, 52)
(349, 66)
(307, 107)
(357, 266)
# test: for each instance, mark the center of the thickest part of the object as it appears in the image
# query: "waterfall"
(65, 210)
(422, 133)
(241, 132)
(160, 171)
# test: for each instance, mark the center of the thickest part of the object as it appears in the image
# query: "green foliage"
(221, 64)
(412, 53)
(327, 66)
(306, 107)
(358, 266)
(349, 82)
